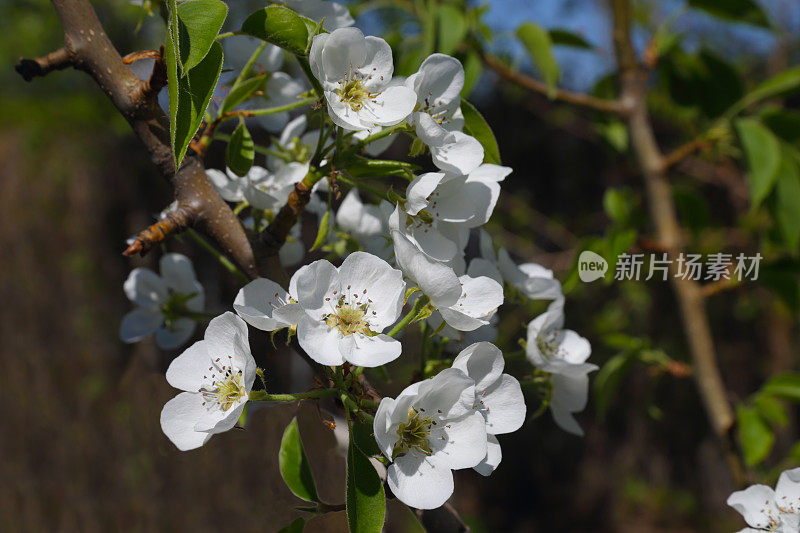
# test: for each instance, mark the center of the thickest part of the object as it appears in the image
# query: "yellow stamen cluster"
(414, 434)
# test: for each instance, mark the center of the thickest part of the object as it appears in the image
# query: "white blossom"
(160, 300)
(531, 279)
(281, 89)
(478, 303)
(217, 374)
(355, 73)
(438, 85)
(267, 306)
(348, 308)
(766, 510)
(498, 397)
(336, 15)
(260, 188)
(429, 430)
(562, 353)
(367, 223)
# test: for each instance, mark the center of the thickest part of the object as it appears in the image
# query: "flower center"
(548, 344)
(349, 318)
(354, 94)
(414, 434)
(225, 391)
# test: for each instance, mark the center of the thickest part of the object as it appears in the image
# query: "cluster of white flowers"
(765, 509)
(414, 256)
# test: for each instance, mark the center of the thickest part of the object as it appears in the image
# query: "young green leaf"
(366, 502)
(364, 438)
(537, 41)
(786, 386)
(563, 37)
(755, 436)
(322, 232)
(296, 526)
(771, 409)
(240, 153)
(294, 466)
(787, 201)
(189, 97)
(733, 10)
(782, 84)
(452, 26)
(476, 125)
(280, 26)
(763, 154)
(242, 92)
(200, 22)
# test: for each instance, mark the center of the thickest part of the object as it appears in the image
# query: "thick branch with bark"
(663, 212)
(88, 48)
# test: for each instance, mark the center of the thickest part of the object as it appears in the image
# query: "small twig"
(156, 82)
(176, 221)
(710, 289)
(584, 100)
(682, 152)
(41, 66)
(142, 54)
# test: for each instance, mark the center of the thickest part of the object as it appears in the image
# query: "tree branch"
(41, 66)
(580, 99)
(88, 48)
(663, 212)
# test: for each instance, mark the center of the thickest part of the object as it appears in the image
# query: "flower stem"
(249, 65)
(262, 396)
(418, 305)
(279, 109)
(224, 261)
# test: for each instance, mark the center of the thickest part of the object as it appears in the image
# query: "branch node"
(41, 66)
(176, 221)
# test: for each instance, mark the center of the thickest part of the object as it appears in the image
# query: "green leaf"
(242, 92)
(733, 10)
(189, 96)
(755, 436)
(240, 153)
(200, 22)
(785, 386)
(771, 409)
(782, 84)
(280, 26)
(364, 438)
(452, 28)
(476, 125)
(608, 379)
(617, 205)
(295, 527)
(294, 465)
(762, 150)
(563, 37)
(787, 201)
(537, 41)
(174, 36)
(322, 232)
(366, 502)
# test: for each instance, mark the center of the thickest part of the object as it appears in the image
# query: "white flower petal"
(787, 491)
(178, 418)
(391, 106)
(230, 189)
(186, 371)
(438, 82)
(182, 330)
(419, 481)
(482, 362)
(483, 267)
(451, 391)
(464, 441)
(145, 288)
(139, 323)
(343, 52)
(311, 283)
(369, 352)
(458, 153)
(178, 273)
(367, 277)
(493, 457)
(226, 335)
(382, 424)
(257, 301)
(756, 504)
(420, 189)
(504, 406)
(319, 341)
(431, 241)
(479, 300)
(378, 67)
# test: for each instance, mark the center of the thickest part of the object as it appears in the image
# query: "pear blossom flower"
(765, 509)
(562, 353)
(498, 397)
(267, 306)
(355, 73)
(260, 188)
(160, 301)
(336, 15)
(436, 279)
(429, 430)
(531, 279)
(438, 84)
(217, 375)
(347, 309)
(478, 303)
